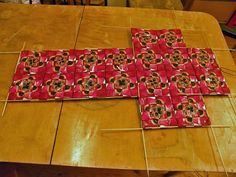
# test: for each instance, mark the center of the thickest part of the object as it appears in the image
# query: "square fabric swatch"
(152, 83)
(212, 82)
(57, 86)
(190, 111)
(144, 38)
(176, 59)
(26, 87)
(89, 60)
(59, 62)
(90, 85)
(183, 82)
(148, 59)
(157, 112)
(119, 59)
(168, 38)
(202, 58)
(121, 84)
(31, 62)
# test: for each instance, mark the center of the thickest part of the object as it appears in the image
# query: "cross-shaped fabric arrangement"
(167, 78)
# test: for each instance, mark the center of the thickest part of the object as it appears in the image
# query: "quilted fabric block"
(183, 82)
(202, 58)
(152, 83)
(89, 60)
(121, 84)
(149, 59)
(176, 59)
(31, 62)
(119, 60)
(212, 82)
(57, 86)
(26, 87)
(90, 85)
(190, 111)
(59, 62)
(168, 38)
(143, 38)
(157, 112)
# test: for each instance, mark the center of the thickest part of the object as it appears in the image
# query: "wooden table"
(40, 133)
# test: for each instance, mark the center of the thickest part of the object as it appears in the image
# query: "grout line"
(78, 29)
(54, 143)
(168, 127)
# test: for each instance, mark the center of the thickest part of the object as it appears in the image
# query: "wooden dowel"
(121, 129)
(168, 127)
(218, 149)
(216, 49)
(145, 153)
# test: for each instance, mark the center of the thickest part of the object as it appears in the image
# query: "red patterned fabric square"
(89, 60)
(143, 38)
(212, 82)
(183, 82)
(176, 59)
(149, 59)
(90, 85)
(26, 87)
(31, 62)
(190, 111)
(121, 84)
(119, 60)
(168, 38)
(202, 58)
(153, 83)
(157, 112)
(57, 86)
(59, 62)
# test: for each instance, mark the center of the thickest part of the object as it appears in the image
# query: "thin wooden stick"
(121, 129)
(145, 153)
(6, 100)
(218, 149)
(200, 94)
(169, 127)
(216, 49)
(66, 99)
(5, 106)
(13, 52)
